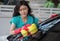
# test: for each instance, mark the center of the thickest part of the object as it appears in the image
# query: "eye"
(23, 9)
(20, 9)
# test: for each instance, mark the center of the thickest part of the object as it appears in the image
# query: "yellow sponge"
(24, 33)
(33, 29)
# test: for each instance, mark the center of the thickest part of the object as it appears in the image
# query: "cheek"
(26, 11)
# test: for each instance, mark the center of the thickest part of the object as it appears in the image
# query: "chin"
(24, 16)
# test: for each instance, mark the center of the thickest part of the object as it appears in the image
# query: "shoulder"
(14, 19)
(35, 19)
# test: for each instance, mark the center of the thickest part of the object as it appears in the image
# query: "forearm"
(12, 28)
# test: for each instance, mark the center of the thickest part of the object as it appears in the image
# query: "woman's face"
(23, 10)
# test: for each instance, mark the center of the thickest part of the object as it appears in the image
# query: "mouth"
(24, 14)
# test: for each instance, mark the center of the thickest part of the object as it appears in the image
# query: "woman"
(21, 16)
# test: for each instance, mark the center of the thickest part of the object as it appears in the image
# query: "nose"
(23, 11)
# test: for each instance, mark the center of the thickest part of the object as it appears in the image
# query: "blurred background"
(42, 9)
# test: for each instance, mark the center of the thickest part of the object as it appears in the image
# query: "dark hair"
(16, 9)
